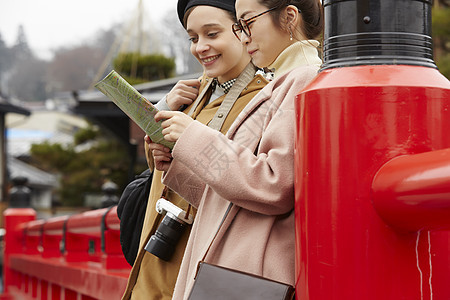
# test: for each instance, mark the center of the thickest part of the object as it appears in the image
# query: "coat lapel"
(257, 101)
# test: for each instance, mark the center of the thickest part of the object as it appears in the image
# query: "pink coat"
(210, 170)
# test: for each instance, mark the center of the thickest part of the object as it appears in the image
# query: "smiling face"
(267, 40)
(214, 44)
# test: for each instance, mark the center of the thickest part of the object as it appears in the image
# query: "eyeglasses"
(244, 25)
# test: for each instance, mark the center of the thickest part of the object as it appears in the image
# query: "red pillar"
(14, 242)
(351, 121)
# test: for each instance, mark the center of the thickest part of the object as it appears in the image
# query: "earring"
(290, 33)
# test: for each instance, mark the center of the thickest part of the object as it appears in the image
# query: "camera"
(162, 244)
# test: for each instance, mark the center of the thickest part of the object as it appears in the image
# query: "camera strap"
(215, 235)
(221, 114)
(231, 97)
(165, 192)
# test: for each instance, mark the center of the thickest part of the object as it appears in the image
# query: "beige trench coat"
(150, 277)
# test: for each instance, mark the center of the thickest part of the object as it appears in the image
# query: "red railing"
(68, 257)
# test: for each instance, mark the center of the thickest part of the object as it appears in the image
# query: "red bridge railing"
(69, 257)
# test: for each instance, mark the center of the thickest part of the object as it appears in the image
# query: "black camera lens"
(162, 244)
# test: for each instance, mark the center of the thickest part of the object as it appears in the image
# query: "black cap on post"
(382, 32)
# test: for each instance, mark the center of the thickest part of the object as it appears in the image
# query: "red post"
(52, 235)
(33, 236)
(353, 120)
(83, 236)
(412, 192)
(112, 255)
(14, 218)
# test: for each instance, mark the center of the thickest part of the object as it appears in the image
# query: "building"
(5, 108)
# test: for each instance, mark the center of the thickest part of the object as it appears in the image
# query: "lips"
(210, 59)
(252, 52)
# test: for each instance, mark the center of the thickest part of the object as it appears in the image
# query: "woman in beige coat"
(252, 165)
(225, 61)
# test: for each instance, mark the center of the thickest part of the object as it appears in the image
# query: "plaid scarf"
(226, 86)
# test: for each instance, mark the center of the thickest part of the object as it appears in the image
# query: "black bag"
(131, 212)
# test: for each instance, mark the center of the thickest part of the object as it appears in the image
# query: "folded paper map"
(139, 109)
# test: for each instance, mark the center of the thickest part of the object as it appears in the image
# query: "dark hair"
(311, 12)
(231, 14)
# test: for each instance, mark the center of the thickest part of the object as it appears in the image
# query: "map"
(132, 103)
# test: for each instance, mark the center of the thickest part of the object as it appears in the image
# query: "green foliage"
(51, 157)
(443, 64)
(441, 22)
(441, 38)
(144, 67)
(6, 56)
(83, 172)
(85, 135)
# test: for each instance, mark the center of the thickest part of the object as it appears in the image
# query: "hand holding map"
(131, 102)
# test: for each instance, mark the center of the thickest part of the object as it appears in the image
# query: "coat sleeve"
(149, 157)
(262, 183)
(185, 183)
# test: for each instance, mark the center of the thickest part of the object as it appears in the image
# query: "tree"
(178, 45)
(75, 68)
(21, 49)
(5, 61)
(28, 74)
(441, 36)
(28, 80)
(105, 39)
(83, 172)
(142, 68)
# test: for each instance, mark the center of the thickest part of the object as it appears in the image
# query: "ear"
(292, 17)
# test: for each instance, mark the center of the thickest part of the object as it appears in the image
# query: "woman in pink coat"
(252, 166)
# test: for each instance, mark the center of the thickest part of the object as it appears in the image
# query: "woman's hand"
(161, 155)
(174, 125)
(184, 92)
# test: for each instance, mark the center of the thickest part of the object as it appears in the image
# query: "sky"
(51, 24)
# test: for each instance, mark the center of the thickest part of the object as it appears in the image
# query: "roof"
(35, 176)
(41, 126)
(6, 107)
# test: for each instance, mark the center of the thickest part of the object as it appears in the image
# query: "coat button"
(258, 82)
(220, 115)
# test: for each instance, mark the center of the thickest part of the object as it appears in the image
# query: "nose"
(244, 38)
(202, 46)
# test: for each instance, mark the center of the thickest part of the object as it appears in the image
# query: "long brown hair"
(311, 12)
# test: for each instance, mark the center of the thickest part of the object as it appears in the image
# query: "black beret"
(184, 5)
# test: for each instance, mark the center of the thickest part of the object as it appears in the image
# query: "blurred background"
(67, 140)
(63, 140)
